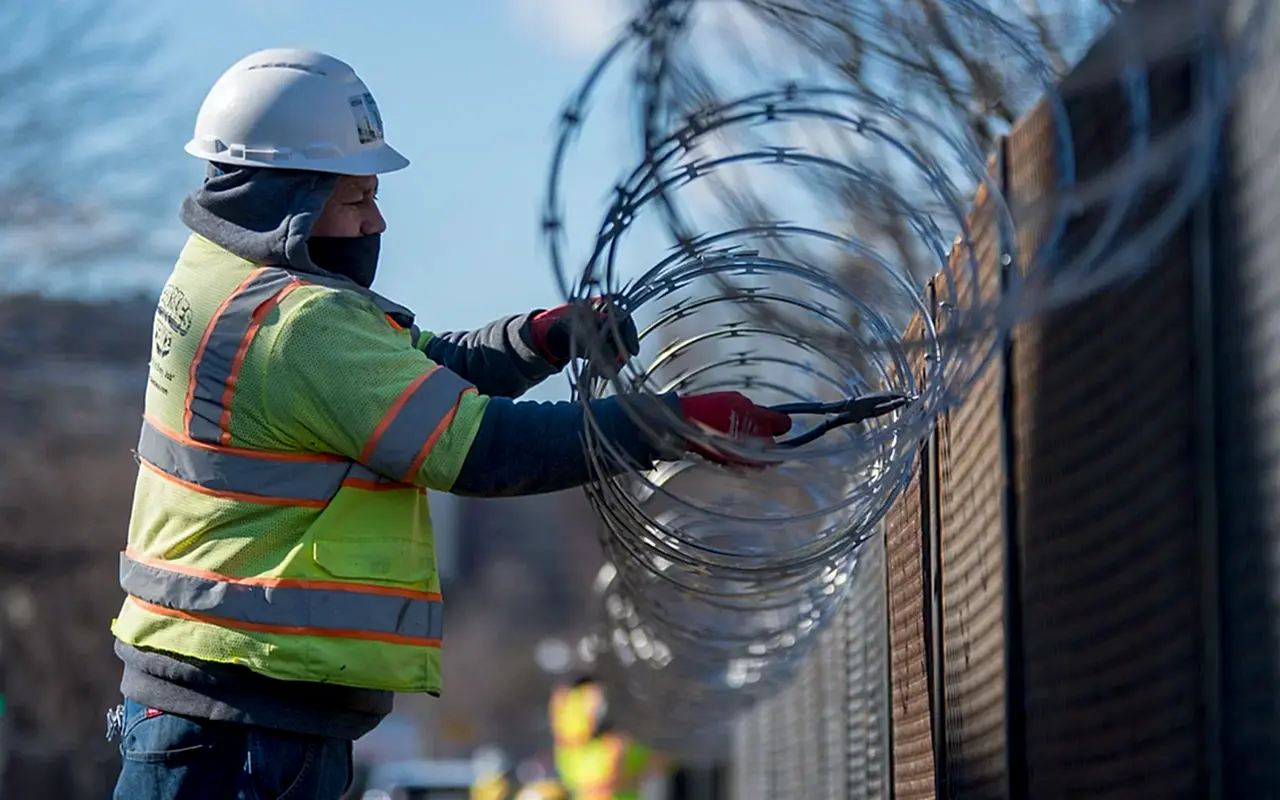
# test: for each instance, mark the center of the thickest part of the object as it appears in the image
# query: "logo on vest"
(173, 317)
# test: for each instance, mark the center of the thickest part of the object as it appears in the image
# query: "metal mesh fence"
(970, 475)
(911, 746)
(1079, 592)
(825, 737)
(1246, 327)
(1109, 547)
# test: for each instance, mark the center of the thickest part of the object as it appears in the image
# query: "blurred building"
(70, 406)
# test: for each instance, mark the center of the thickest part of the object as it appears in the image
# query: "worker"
(594, 759)
(280, 574)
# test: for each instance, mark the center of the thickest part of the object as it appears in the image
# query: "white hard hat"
(293, 109)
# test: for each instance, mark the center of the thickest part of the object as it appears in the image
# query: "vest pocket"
(401, 561)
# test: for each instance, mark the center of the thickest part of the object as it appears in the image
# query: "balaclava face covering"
(265, 216)
(354, 257)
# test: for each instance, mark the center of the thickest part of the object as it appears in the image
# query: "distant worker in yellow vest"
(280, 569)
(595, 761)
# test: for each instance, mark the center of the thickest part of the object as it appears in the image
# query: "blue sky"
(469, 92)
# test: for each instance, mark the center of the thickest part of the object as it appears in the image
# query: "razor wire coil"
(718, 579)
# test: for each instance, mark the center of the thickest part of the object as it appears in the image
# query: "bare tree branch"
(82, 120)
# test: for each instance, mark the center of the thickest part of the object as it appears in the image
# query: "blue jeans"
(168, 757)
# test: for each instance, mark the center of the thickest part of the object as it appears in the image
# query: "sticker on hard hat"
(368, 120)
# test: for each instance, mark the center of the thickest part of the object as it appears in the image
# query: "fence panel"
(1137, 429)
(862, 645)
(839, 681)
(1247, 327)
(1105, 423)
(824, 736)
(911, 723)
(971, 481)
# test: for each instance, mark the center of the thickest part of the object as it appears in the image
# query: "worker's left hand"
(734, 415)
(595, 324)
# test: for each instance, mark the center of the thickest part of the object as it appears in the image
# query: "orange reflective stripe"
(391, 459)
(368, 588)
(284, 605)
(200, 457)
(392, 412)
(288, 630)
(242, 349)
(220, 354)
(397, 445)
(264, 455)
(262, 500)
(214, 354)
(440, 428)
(204, 344)
(254, 476)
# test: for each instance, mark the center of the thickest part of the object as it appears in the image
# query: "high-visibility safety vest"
(609, 767)
(594, 766)
(280, 520)
(575, 713)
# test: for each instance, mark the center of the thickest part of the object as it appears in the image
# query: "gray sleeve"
(531, 448)
(499, 359)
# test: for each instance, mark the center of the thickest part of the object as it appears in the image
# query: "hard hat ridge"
(288, 108)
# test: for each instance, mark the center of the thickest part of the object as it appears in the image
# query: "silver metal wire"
(773, 237)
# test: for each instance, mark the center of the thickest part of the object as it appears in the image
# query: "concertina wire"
(791, 195)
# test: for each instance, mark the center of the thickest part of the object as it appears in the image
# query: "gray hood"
(262, 215)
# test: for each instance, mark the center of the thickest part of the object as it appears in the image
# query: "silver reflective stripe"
(294, 479)
(402, 440)
(240, 473)
(250, 475)
(215, 365)
(292, 606)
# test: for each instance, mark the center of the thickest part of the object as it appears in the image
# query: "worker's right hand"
(599, 323)
(732, 414)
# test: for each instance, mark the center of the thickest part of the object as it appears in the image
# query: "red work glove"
(734, 414)
(554, 330)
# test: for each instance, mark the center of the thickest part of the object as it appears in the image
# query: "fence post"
(931, 530)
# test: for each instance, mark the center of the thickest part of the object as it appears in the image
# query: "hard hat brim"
(376, 161)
